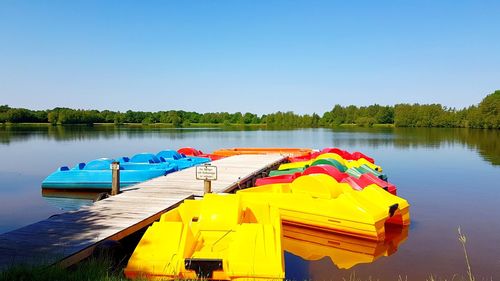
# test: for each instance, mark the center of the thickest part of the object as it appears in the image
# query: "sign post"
(207, 173)
(207, 186)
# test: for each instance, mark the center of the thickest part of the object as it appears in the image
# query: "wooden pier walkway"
(72, 236)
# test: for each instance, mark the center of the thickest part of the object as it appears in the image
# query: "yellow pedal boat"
(218, 237)
(320, 202)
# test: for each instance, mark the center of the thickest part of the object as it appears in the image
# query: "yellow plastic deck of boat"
(246, 238)
(319, 201)
(370, 195)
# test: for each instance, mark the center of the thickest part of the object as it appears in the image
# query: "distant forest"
(484, 115)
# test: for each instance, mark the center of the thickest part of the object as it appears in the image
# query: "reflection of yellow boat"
(344, 251)
(218, 237)
(319, 201)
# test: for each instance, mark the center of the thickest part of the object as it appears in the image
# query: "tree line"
(484, 115)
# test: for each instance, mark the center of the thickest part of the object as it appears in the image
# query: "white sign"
(206, 172)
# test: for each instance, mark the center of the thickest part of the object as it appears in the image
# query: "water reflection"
(343, 251)
(483, 141)
(70, 200)
(20, 132)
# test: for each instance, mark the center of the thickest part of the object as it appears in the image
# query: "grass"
(354, 125)
(104, 269)
(470, 277)
(94, 269)
(25, 124)
(348, 125)
(463, 239)
(384, 126)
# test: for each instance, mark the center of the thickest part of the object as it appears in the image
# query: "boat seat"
(145, 158)
(170, 154)
(333, 156)
(123, 159)
(219, 212)
(331, 162)
(99, 164)
(317, 186)
(326, 169)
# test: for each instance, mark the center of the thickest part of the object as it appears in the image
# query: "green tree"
(365, 121)
(338, 115)
(385, 115)
(236, 118)
(405, 115)
(176, 120)
(351, 114)
(52, 117)
(3, 113)
(18, 115)
(489, 110)
(315, 120)
(248, 118)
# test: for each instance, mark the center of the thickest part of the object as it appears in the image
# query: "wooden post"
(207, 187)
(115, 181)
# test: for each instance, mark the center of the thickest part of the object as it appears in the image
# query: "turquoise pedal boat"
(96, 175)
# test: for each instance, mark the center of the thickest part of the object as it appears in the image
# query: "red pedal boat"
(356, 183)
(189, 151)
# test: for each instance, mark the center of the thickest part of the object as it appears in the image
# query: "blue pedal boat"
(181, 160)
(143, 161)
(165, 157)
(96, 174)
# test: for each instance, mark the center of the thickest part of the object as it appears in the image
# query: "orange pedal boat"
(292, 152)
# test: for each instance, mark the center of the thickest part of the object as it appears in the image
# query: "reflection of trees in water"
(486, 142)
(16, 133)
(82, 132)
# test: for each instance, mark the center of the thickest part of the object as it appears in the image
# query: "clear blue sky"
(257, 56)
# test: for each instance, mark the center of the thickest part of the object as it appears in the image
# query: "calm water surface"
(451, 177)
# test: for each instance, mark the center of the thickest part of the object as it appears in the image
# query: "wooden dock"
(72, 236)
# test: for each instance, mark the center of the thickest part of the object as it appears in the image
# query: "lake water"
(451, 177)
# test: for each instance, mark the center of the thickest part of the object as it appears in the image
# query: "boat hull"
(97, 179)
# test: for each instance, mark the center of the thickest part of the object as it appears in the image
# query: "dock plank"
(69, 237)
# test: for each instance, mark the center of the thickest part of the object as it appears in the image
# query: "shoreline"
(221, 126)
